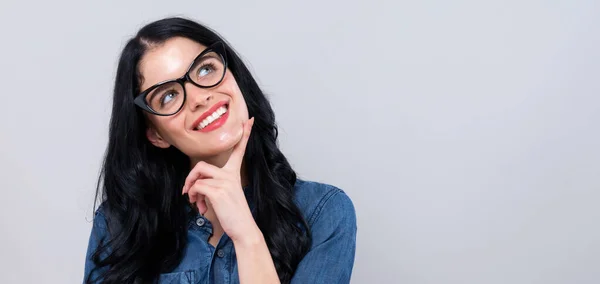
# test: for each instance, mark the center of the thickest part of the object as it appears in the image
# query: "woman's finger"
(237, 156)
(216, 183)
(201, 203)
(201, 170)
(198, 193)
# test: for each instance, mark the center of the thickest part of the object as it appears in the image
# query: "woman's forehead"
(168, 61)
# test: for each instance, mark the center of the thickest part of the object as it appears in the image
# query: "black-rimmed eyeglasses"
(168, 97)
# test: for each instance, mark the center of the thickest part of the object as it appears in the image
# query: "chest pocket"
(186, 277)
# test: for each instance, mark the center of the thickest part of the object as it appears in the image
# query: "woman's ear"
(155, 138)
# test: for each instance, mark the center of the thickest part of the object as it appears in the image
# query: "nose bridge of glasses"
(194, 93)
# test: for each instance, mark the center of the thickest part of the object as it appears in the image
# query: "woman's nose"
(197, 97)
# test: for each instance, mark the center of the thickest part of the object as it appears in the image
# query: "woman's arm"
(331, 257)
(255, 264)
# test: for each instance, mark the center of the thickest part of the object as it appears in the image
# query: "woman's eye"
(167, 98)
(204, 70)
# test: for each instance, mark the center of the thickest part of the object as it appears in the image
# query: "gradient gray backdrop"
(466, 132)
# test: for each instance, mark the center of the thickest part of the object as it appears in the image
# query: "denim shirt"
(328, 211)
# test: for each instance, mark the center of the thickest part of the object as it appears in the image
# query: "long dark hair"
(140, 184)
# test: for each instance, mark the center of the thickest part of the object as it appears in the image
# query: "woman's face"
(188, 130)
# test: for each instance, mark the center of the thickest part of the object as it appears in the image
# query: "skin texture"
(215, 182)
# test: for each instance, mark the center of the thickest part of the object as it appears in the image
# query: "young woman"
(194, 186)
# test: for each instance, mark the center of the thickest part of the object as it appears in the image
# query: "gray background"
(466, 133)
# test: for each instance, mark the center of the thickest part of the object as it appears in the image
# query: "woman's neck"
(217, 160)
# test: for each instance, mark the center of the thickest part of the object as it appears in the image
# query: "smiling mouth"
(213, 117)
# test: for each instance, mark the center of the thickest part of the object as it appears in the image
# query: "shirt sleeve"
(99, 234)
(331, 257)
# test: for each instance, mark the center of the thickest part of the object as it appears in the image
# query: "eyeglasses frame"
(217, 47)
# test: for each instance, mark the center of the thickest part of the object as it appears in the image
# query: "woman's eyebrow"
(159, 89)
(210, 54)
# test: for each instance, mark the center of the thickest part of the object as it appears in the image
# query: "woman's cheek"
(176, 129)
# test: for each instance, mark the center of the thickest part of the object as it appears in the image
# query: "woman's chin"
(214, 149)
(215, 143)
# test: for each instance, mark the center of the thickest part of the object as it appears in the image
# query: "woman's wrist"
(255, 264)
(252, 238)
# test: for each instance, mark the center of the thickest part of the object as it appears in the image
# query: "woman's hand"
(223, 189)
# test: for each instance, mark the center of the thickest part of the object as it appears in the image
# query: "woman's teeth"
(214, 116)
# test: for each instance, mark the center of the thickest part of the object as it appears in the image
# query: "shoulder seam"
(333, 190)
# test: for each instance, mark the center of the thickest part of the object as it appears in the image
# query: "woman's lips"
(208, 113)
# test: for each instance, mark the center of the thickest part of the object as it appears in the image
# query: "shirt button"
(220, 253)
(200, 222)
